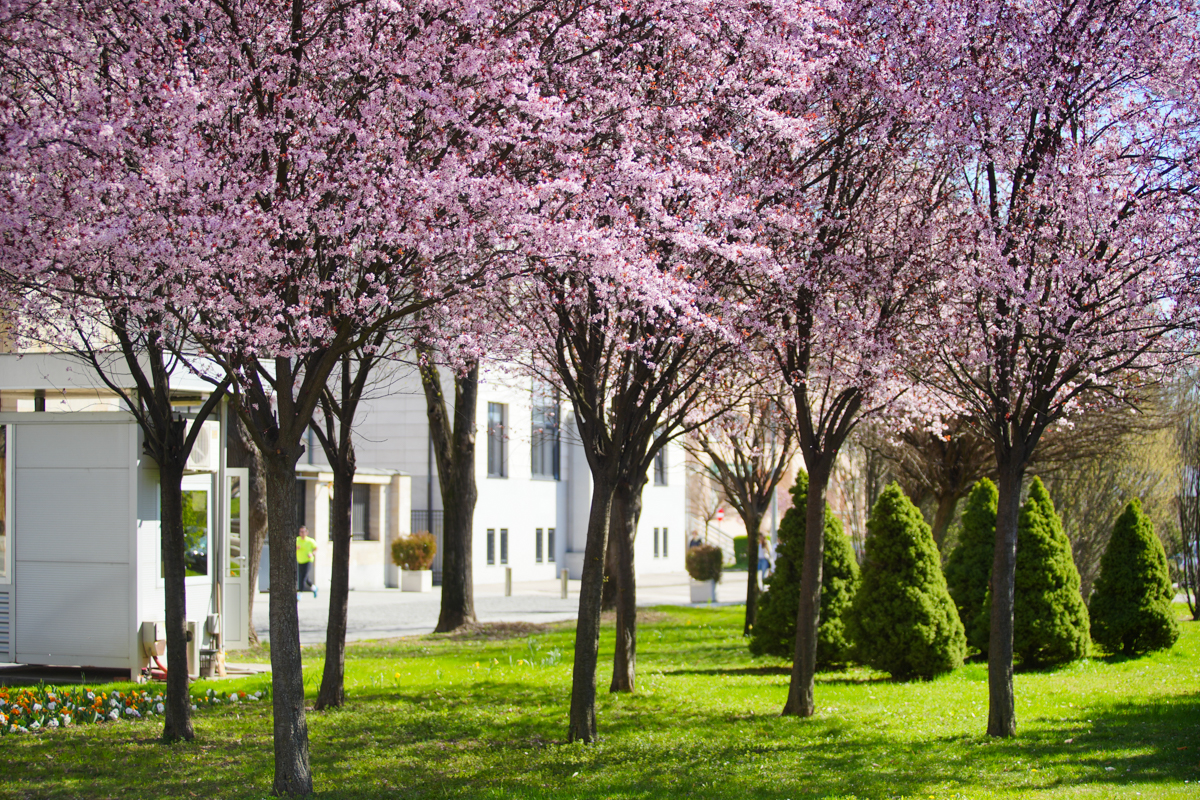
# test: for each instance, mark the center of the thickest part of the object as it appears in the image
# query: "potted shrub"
(704, 564)
(414, 556)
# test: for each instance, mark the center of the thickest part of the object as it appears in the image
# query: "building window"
(497, 446)
(537, 546)
(544, 434)
(660, 467)
(195, 532)
(550, 545)
(664, 542)
(3, 501)
(504, 545)
(360, 512)
(491, 546)
(656, 542)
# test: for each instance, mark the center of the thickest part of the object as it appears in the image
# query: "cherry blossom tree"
(1076, 130)
(837, 245)
(746, 451)
(98, 258)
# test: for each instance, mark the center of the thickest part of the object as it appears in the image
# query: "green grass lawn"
(486, 717)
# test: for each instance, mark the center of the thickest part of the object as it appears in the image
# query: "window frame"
(545, 437)
(491, 547)
(660, 466)
(7, 477)
(504, 547)
(497, 444)
(537, 546)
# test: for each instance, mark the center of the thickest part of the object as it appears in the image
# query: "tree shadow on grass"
(651, 750)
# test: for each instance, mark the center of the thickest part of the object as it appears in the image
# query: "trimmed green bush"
(774, 631)
(903, 620)
(704, 562)
(1131, 605)
(1050, 621)
(969, 569)
(740, 546)
(414, 552)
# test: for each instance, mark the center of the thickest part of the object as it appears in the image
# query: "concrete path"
(387, 613)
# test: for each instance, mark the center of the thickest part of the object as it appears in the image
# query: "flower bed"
(43, 707)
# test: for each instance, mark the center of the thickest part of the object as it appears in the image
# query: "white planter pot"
(416, 580)
(704, 591)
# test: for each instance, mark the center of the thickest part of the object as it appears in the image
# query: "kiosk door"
(233, 611)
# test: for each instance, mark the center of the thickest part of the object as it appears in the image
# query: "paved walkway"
(387, 613)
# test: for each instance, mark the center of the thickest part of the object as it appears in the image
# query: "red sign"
(720, 513)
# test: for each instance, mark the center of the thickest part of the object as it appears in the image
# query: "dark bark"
(177, 724)
(582, 726)
(608, 591)
(336, 434)
(454, 451)
(1002, 717)
(247, 455)
(626, 510)
(333, 693)
(753, 525)
(943, 515)
(290, 727)
(800, 700)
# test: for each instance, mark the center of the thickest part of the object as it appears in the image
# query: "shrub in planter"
(774, 631)
(903, 620)
(1131, 605)
(969, 568)
(1050, 621)
(414, 552)
(704, 562)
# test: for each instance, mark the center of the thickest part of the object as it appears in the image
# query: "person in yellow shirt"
(305, 547)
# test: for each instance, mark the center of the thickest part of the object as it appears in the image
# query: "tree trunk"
(753, 525)
(582, 727)
(178, 722)
(626, 510)
(292, 774)
(608, 590)
(800, 700)
(1002, 718)
(333, 692)
(942, 517)
(256, 496)
(454, 449)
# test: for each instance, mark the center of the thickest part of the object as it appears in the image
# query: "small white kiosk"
(80, 558)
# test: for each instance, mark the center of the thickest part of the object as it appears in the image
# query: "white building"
(80, 559)
(532, 476)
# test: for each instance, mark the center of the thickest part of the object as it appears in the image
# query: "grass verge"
(483, 714)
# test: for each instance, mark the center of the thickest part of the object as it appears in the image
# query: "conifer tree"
(903, 620)
(1049, 618)
(1131, 606)
(970, 566)
(774, 631)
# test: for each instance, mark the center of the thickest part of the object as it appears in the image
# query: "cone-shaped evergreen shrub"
(1131, 605)
(774, 630)
(903, 620)
(1050, 621)
(970, 566)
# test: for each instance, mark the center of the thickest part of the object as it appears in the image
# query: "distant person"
(766, 558)
(695, 540)
(305, 547)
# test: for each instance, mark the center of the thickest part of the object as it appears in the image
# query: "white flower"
(13, 729)
(112, 703)
(52, 723)
(52, 705)
(233, 698)
(37, 706)
(3, 720)
(66, 719)
(3, 702)
(193, 707)
(91, 696)
(114, 716)
(160, 707)
(35, 725)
